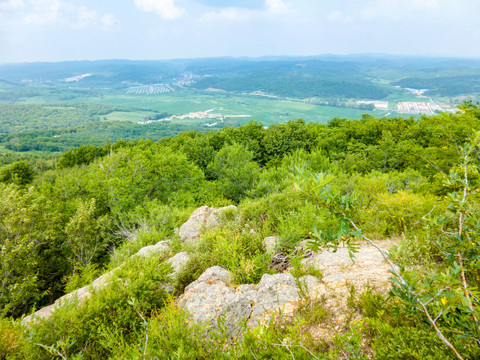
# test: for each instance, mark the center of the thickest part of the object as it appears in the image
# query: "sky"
(59, 30)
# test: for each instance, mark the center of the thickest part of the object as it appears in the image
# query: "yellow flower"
(444, 300)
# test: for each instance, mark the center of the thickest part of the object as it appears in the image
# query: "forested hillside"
(416, 180)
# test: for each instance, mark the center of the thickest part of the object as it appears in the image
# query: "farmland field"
(42, 109)
(265, 110)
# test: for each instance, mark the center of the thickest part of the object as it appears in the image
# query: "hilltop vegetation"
(63, 225)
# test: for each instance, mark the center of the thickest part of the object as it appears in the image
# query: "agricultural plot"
(238, 109)
(150, 89)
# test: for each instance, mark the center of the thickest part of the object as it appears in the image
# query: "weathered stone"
(216, 274)
(337, 267)
(270, 244)
(201, 219)
(81, 295)
(312, 287)
(159, 248)
(276, 293)
(178, 263)
(211, 298)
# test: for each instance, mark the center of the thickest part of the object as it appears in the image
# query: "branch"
(146, 334)
(441, 312)
(385, 256)
(437, 295)
(295, 345)
(439, 333)
(51, 350)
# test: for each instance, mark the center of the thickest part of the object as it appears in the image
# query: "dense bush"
(60, 228)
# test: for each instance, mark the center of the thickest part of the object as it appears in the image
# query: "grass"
(264, 110)
(134, 116)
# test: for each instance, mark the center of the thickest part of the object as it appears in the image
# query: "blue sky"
(54, 30)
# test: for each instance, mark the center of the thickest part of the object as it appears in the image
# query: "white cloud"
(109, 21)
(338, 16)
(30, 14)
(165, 8)
(271, 7)
(396, 9)
(41, 12)
(277, 6)
(9, 5)
(230, 13)
(83, 18)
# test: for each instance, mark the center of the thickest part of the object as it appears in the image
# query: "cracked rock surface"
(212, 298)
(203, 218)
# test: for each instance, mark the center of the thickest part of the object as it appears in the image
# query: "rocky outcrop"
(177, 262)
(337, 267)
(159, 248)
(80, 294)
(212, 299)
(201, 219)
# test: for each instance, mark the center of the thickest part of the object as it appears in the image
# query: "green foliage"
(86, 233)
(342, 206)
(445, 293)
(116, 309)
(239, 252)
(82, 277)
(82, 155)
(19, 173)
(395, 332)
(235, 171)
(378, 176)
(31, 257)
(134, 176)
(13, 344)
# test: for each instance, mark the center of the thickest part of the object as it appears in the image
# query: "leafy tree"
(19, 173)
(82, 155)
(132, 176)
(448, 297)
(32, 258)
(235, 171)
(86, 234)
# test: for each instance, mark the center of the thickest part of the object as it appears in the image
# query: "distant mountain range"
(328, 76)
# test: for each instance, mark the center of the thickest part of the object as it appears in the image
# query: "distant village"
(412, 107)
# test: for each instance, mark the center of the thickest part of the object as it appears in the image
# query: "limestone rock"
(270, 244)
(312, 287)
(215, 274)
(211, 298)
(337, 267)
(178, 262)
(278, 292)
(159, 248)
(201, 219)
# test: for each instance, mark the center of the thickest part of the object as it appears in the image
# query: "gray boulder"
(177, 262)
(159, 248)
(337, 267)
(212, 299)
(275, 293)
(201, 219)
(81, 295)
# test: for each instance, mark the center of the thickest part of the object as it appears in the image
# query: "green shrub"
(116, 308)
